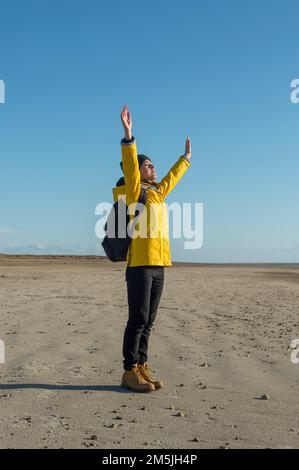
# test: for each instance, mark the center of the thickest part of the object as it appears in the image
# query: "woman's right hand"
(126, 122)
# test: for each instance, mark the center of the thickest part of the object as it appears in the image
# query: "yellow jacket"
(154, 249)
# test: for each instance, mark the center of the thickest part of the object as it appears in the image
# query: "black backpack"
(116, 244)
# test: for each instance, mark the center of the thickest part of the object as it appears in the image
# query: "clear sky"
(217, 71)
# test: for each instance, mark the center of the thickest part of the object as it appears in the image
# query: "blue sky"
(218, 71)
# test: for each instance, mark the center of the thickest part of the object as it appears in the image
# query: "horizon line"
(101, 257)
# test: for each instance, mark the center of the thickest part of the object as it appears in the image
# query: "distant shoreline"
(97, 258)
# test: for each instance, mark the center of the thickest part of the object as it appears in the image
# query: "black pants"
(144, 287)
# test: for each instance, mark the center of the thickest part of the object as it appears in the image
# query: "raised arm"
(176, 171)
(129, 159)
(126, 120)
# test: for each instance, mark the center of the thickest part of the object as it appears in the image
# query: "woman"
(147, 255)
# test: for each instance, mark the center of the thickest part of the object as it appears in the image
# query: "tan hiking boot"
(146, 374)
(133, 380)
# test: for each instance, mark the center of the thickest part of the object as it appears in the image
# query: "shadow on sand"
(63, 388)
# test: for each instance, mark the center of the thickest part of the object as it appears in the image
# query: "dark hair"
(141, 160)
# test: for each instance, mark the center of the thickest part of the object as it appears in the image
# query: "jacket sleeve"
(173, 176)
(131, 170)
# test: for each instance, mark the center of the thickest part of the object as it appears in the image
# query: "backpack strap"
(143, 196)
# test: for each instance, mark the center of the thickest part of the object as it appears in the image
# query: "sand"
(221, 340)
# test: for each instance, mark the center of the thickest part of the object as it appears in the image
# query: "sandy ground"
(62, 321)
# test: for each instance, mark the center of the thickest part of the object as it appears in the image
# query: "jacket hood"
(119, 189)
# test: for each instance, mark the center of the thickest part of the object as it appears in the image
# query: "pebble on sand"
(265, 397)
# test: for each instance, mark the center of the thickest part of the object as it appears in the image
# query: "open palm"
(188, 148)
(126, 119)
